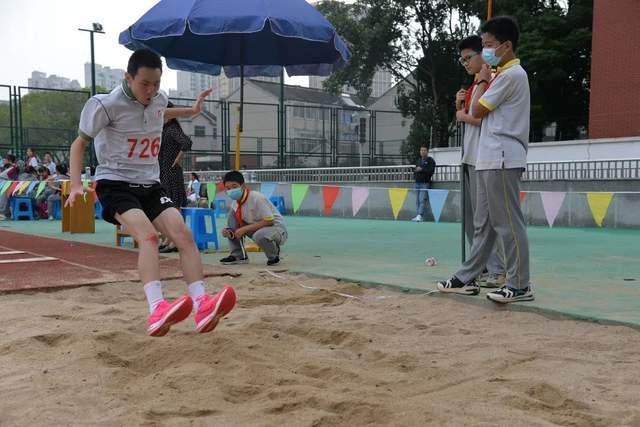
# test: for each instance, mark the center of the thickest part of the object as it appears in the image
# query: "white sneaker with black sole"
(506, 294)
(455, 286)
(231, 260)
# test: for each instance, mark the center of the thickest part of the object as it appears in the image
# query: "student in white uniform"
(125, 127)
(471, 58)
(251, 214)
(503, 103)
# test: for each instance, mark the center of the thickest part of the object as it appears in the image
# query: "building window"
(198, 131)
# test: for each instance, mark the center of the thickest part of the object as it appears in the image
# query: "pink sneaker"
(212, 308)
(167, 313)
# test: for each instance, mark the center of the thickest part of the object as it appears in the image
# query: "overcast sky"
(43, 35)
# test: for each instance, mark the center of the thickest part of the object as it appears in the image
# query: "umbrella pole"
(239, 125)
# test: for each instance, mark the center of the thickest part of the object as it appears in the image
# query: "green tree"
(416, 42)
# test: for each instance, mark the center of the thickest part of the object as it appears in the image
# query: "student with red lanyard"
(471, 58)
(504, 105)
(251, 214)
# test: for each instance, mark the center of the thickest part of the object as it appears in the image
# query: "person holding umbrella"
(126, 128)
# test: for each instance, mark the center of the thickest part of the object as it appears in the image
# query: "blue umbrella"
(246, 37)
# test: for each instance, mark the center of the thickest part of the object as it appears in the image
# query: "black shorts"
(120, 196)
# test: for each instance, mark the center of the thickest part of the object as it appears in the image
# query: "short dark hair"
(62, 169)
(424, 146)
(143, 58)
(11, 158)
(42, 169)
(503, 28)
(472, 42)
(233, 176)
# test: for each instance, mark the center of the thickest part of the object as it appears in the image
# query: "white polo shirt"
(257, 208)
(126, 135)
(504, 133)
(471, 136)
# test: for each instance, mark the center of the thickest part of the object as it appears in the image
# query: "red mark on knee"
(152, 238)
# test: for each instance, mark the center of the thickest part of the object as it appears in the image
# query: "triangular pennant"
(397, 196)
(212, 189)
(523, 196)
(31, 186)
(85, 183)
(20, 188)
(12, 188)
(41, 186)
(4, 187)
(298, 191)
(329, 196)
(599, 204)
(268, 188)
(437, 199)
(359, 195)
(552, 202)
(220, 187)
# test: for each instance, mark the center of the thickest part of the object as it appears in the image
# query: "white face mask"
(489, 55)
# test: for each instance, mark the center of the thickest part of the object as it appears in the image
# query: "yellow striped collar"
(514, 61)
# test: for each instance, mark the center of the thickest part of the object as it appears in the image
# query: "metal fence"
(311, 135)
(539, 171)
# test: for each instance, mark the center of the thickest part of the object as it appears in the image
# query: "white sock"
(196, 290)
(153, 290)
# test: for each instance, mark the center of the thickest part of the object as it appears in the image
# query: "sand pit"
(294, 356)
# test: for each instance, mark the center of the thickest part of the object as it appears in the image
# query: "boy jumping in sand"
(125, 127)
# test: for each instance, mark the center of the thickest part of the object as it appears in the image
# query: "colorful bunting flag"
(20, 188)
(552, 202)
(599, 204)
(41, 187)
(12, 188)
(4, 187)
(359, 195)
(298, 191)
(437, 199)
(329, 196)
(212, 189)
(268, 188)
(523, 196)
(397, 197)
(31, 186)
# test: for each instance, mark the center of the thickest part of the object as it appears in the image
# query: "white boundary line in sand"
(12, 252)
(11, 261)
(429, 292)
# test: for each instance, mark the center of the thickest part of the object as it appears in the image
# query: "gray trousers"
(268, 238)
(495, 263)
(498, 215)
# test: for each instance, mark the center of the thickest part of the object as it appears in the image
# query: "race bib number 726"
(143, 147)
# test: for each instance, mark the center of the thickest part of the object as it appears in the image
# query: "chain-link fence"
(302, 135)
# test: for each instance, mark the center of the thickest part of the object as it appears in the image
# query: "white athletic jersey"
(126, 135)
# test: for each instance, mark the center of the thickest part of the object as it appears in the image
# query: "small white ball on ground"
(430, 262)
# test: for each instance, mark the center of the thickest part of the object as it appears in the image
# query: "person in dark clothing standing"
(425, 168)
(174, 143)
